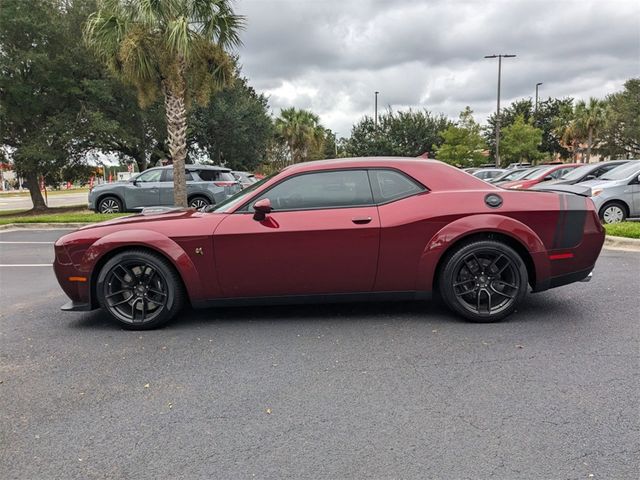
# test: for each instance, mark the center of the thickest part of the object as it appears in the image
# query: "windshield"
(241, 196)
(578, 173)
(536, 172)
(623, 171)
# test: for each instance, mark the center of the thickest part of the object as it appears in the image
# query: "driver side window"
(347, 188)
(149, 176)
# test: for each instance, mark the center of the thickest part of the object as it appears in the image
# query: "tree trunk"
(589, 143)
(176, 112)
(34, 190)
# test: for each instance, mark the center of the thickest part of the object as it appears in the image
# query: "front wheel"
(139, 289)
(483, 281)
(110, 205)
(613, 212)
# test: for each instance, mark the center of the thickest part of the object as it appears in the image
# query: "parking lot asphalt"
(392, 390)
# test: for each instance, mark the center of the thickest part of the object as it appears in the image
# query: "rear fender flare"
(485, 223)
(150, 240)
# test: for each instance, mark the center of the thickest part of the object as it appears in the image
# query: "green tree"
(171, 47)
(463, 144)
(234, 128)
(301, 132)
(42, 73)
(520, 142)
(404, 133)
(589, 119)
(621, 131)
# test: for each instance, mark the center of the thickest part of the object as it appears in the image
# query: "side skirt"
(314, 299)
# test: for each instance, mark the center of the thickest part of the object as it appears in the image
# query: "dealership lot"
(345, 391)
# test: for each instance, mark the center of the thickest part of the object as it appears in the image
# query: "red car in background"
(337, 230)
(541, 174)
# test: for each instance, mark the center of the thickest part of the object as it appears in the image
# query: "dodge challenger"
(337, 230)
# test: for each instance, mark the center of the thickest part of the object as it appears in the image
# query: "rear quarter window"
(390, 185)
(215, 176)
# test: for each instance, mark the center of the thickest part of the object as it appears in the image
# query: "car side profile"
(337, 230)
(206, 185)
(616, 194)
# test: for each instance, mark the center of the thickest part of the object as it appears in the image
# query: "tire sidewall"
(168, 275)
(451, 265)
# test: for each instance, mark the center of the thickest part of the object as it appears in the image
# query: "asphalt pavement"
(391, 390)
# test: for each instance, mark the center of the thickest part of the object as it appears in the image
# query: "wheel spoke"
(157, 292)
(148, 276)
(502, 294)
(122, 301)
(463, 282)
(126, 290)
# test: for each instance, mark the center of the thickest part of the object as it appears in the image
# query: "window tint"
(215, 176)
(150, 176)
(390, 185)
(321, 190)
(168, 177)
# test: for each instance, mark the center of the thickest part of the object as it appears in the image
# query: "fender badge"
(199, 251)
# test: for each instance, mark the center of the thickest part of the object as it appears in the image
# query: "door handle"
(361, 220)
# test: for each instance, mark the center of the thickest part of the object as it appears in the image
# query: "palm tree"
(589, 119)
(302, 133)
(176, 48)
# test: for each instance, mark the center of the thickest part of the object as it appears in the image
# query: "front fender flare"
(153, 241)
(484, 223)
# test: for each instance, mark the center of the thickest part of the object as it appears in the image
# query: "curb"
(622, 243)
(41, 226)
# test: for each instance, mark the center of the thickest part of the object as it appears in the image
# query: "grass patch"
(624, 229)
(57, 215)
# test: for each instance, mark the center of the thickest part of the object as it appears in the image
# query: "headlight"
(596, 191)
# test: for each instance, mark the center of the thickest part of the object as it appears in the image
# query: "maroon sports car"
(337, 230)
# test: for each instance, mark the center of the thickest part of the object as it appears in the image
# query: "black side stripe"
(571, 220)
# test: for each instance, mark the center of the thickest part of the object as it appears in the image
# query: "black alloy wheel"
(139, 289)
(483, 281)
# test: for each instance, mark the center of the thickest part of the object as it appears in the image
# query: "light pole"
(537, 85)
(499, 57)
(375, 116)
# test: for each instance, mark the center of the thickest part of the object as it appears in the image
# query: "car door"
(322, 237)
(634, 201)
(166, 186)
(144, 191)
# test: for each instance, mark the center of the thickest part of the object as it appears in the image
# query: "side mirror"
(261, 208)
(134, 182)
(547, 178)
(589, 177)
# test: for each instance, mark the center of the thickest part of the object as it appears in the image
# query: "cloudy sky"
(331, 55)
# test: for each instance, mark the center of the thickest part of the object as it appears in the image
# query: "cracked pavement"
(391, 390)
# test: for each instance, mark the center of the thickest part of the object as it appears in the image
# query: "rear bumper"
(581, 276)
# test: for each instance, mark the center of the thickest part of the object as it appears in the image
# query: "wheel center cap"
(140, 289)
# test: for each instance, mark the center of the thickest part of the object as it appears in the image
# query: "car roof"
(360, 162)
(193, 166)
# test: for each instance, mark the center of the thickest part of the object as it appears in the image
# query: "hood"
(153, 216)
(597, 182)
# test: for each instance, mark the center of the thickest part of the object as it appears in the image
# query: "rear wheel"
(139, 289)
(613, 212)
(199, 202)
(483, 281)
(109, 205)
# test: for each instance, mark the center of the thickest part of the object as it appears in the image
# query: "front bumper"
(76, 307)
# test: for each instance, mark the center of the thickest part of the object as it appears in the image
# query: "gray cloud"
(330, 56)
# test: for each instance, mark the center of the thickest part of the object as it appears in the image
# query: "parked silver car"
(590, 171)
(154, 187)
(616, 194)
(488, 174)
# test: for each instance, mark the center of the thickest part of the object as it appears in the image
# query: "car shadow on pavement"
(535, 308)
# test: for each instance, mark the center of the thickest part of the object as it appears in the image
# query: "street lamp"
(375, 117)
(537, 85)
(499, 57)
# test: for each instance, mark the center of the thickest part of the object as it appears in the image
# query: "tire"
(140, 290)
(613, 212)
(109, 204)
(483, 281)
(199, 202)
